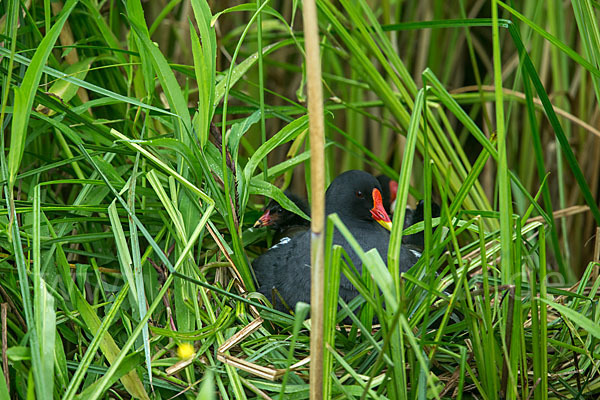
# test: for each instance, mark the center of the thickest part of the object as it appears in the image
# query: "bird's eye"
(360, 194)
(279, 210)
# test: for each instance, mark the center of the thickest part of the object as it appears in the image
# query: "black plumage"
(284, 222)
(415, 216)
(412, 216)
(286, 266)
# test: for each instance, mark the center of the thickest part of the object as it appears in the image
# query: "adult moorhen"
(356, 197)
(284, 223)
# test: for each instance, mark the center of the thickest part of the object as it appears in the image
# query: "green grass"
(141, 140)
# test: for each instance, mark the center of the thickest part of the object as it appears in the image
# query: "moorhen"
(283, 222)
(356, 197)
(389, 191)
(414, 216)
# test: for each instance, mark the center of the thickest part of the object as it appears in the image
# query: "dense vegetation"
(141, 140)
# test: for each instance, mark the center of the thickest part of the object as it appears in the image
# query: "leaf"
(260, 187)
(89, 86)
(205, 55)
(66, 90)
(44, 311)
(286, 134)
(25, 94)
(122, 248)
(243, 67)
(238, 130)
(207, 389)
(3, 388)
(587, 324)
(131, 381)
(403, 186)
(136, 13)
(168, 82)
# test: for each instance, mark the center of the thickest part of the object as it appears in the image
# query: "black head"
(419, 212)
(276, 217)
(356, 195)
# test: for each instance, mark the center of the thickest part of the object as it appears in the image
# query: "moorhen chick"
(356, 197)
(389, 191)
(283, 222)
(415, 216)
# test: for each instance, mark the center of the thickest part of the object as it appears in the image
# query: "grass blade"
(25, 94)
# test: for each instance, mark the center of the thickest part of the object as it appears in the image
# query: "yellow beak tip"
(386, 224)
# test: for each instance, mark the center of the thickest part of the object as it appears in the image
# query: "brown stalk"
(536, 101)
(16, 310)
(217, 141)
(535, 385)
(269, 373)
(317, 171)
(256, 390)
(565, 212)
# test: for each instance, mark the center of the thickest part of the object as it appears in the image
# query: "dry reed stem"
(269, 373)
(241, 335)
(565, 212)
(178, 366)
(317, 171)
(536, 101)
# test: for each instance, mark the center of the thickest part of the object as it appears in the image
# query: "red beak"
(393, 190)
(378, 212)
(264, 220)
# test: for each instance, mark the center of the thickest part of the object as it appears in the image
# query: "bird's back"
(286, 266)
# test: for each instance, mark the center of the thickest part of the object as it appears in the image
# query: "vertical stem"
(505, 204)
(543, 314)
(232, 221)
(596, 257)
(3, 316)
(317, 167)
(261, 91)
(503, 180)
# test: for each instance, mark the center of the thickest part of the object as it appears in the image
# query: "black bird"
(389, 191)
(283, 222)
(414, 216)
(356, 197)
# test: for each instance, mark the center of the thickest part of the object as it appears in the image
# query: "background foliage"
(141, 139)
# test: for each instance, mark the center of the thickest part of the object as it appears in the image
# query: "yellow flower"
(185, 351)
